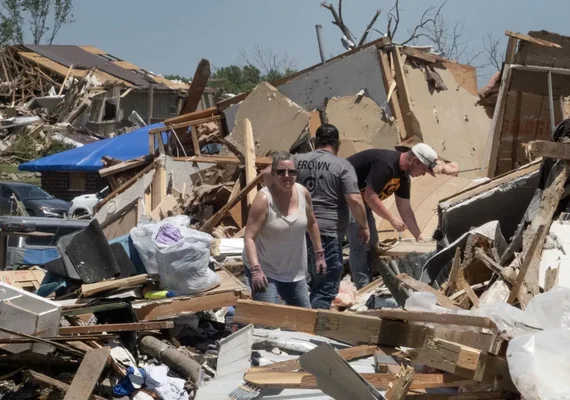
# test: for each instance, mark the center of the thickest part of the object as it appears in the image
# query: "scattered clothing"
(168, 234)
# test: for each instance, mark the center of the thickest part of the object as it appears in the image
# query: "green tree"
(43, 18)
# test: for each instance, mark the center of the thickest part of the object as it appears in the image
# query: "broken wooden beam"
(398, 389)
(88, 374)
(260, 162)
(432, 317)
(304, 380)
(464, 361)
(59, 346)
(418, 286)
(133, 326)
(543, 148)
(46, 380)
(533, 40)
(197, 87)
(250, 171)
(88, 290)
(122, 167)
(186, 124)
(217, 218)
(208, 112)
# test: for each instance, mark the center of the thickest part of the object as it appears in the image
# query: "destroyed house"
(117, 87)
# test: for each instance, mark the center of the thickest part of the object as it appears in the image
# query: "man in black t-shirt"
(380, 174)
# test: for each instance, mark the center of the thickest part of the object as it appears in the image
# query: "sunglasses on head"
(290, 172)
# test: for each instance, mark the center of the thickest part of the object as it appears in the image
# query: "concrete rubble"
(117, 308)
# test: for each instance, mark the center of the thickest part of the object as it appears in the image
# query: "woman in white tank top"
(275, 251)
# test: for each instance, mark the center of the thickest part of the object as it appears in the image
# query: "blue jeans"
(362, 256)
(292, 293)
(324, 288)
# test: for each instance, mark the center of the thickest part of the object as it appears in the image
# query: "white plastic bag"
(549, 310)
(143, 239)
(183, 266)
(538, 364)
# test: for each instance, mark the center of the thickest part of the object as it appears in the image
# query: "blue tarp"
(88, 158)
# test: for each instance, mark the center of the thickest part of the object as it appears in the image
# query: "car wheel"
(80, 214)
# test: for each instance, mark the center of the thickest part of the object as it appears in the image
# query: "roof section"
(88, 158)
(79, 58)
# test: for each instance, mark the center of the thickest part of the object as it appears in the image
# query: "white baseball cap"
(426, 155)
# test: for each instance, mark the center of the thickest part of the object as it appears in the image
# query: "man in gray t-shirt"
(333, 186)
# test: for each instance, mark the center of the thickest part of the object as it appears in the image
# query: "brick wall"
(67, 185)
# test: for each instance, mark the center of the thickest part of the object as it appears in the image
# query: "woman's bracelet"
(319, 251)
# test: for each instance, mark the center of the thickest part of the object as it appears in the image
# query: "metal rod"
(551, 102)
(321, 42)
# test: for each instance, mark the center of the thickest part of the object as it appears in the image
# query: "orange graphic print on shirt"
(389, 188)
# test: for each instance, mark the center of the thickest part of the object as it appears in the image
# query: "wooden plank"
(492, 148)
(46, 380)
(88, 374)
(403, 93)
(250, 171)
(128, 327)
(289, 380)
(399, 388)
(172, 308)
(464, 361)
(467, 287)
(533, 40)
(196, 89)
(185, 124)
(124, 166)
(521, 277)
(195, 143)
(274, 315)
(208, 112)
(59, 346)
(394, 100)
(88, 290)
(260, 162)
(348, 354)
(418, 286)
(511, 50)
(158, 187)
(424, 55)
(543, 148)
(403, 248)
(348, 327)
(236, 212)
(123, 187)
(216, 218)
(376, 283)
(438, 318)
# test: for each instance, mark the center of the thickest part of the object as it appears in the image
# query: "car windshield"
(32, 193)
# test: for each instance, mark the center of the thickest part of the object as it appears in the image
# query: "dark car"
(36, 201)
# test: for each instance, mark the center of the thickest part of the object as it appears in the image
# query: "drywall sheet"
(450, 120)
(343, 77)
(361, 125)
(277, 122)
(426, 193)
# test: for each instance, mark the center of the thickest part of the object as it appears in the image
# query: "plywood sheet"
(426, 193)
(277, 121)
(361, 125)
(450, 120)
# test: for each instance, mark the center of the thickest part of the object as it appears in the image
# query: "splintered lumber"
(464, 361)
(59, 346)
(304, 380)
(334, 376)
(348, 354)
(46, 380)
(124, 166)
(186, 124)
(133, 326)
(543, 148)
(216, 218)
(88, 290)
(438, 318)
(418, 286)
(521, 277)
(533, 40)
(208, 112)
(260, 162)
(399, 388)
(354, 329)
(88, 374)
(196, 89)
(250, 171)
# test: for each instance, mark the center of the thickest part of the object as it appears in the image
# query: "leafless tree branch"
(369, 28)
(337, 20)
(424, 21)
(491, 47)
(394, 17)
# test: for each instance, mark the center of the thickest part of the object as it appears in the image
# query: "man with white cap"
(380, 174)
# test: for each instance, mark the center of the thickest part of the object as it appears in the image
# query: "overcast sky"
(171, 36)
